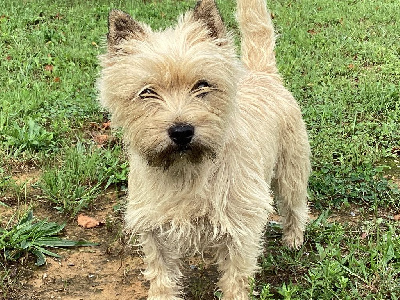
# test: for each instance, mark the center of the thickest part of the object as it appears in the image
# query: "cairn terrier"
(211, 139)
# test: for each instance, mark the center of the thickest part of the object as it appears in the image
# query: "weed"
(336, 185)
(34, 236)
(264, 291)
(287, 291)
(4, 181)
(31, 136)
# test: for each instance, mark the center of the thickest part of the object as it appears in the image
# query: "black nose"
(181, 134)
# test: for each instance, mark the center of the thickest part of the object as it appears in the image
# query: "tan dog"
(209, 136)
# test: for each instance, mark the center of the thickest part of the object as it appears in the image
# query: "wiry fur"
(249, 137)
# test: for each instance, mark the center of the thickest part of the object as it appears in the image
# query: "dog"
(212, 140)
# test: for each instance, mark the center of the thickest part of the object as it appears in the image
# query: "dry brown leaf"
(312, 31)
(106, 125)
(396, 218)
(101, 139)
(87, 222)
(48, 68)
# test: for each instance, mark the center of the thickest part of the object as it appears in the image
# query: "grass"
(343, 261)
(85, 172)
(341, 61)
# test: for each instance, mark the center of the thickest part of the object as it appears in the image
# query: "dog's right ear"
(121, 27)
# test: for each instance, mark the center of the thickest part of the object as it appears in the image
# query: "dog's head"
(172, 91)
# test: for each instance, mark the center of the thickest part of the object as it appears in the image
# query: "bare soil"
(111, 270)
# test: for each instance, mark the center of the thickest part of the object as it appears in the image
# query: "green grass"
(340, 60)
(338, 261)
(85, 173)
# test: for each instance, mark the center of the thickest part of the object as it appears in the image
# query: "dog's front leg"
(237, 261)
(162, 268)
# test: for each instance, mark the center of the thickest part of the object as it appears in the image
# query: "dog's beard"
(194, 153)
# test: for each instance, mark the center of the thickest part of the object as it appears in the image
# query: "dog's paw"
(293, 239)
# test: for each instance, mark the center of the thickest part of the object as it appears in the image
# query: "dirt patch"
(111, 270)
(89, 274)
(28, 177)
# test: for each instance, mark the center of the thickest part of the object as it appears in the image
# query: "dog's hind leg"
(162, 268)
(290, 184)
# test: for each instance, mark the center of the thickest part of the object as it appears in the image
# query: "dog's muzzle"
(184, 148)
(181, 134)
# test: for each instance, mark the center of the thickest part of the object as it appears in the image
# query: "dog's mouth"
(183, 149)
(193, 153)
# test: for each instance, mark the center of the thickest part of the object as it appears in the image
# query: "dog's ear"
(121, 27)
(206, 11)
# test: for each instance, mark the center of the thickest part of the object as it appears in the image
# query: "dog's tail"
(258, 37)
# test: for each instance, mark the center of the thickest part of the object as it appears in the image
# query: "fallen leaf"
(101, 139)
(350, 66)
(87, 222)
(106, 125)
(48, 68)
(9, 57)
(396, 218)
(94, 125)
(56, 79)
(364, 235)
(312, 31)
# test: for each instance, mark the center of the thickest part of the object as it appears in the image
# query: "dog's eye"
(201, 88)
(148, 93)
(201, 85)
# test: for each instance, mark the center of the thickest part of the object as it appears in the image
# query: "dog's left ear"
(206, 11)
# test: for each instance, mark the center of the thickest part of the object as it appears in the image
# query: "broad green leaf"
(57, 242)
(40, 258)
(25, 244)
(27, 218)
(52, 228)
(47, 252)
